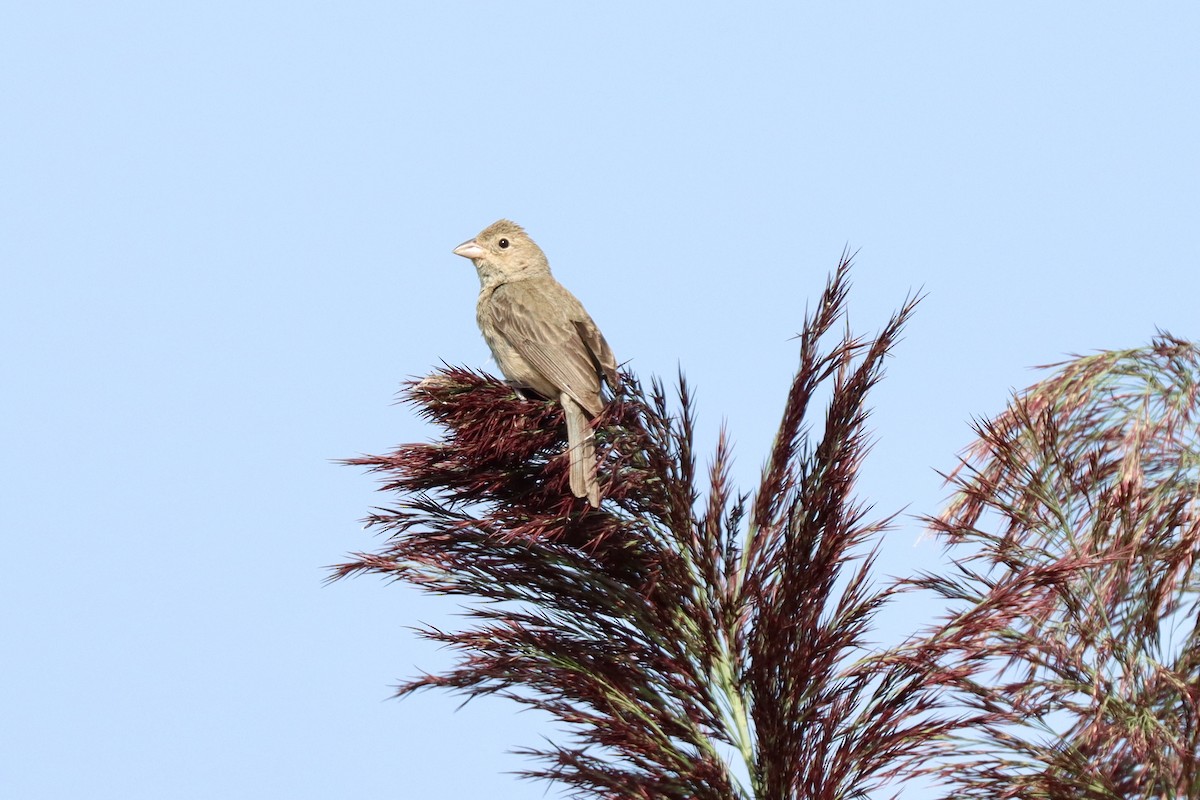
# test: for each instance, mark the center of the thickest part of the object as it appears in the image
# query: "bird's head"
(503, 252)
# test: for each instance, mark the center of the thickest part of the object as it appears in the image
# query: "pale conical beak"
(469, 249)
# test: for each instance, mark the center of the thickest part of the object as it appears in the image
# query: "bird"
(542, 338)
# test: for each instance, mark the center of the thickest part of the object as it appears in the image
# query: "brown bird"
(542, 338)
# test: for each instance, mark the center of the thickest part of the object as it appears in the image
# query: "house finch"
(542, 338)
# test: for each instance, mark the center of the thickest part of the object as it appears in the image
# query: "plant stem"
(737, 712)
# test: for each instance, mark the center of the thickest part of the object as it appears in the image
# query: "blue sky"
(225, 232)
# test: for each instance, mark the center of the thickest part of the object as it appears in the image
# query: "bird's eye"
(503, 244)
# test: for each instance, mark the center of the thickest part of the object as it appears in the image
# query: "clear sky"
(225, 234)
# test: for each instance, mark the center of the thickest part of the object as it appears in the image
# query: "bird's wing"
(605, 362)
(535, 317)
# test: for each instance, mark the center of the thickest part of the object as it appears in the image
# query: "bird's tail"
(581, 443)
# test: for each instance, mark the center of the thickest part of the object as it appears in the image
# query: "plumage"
(542, 338)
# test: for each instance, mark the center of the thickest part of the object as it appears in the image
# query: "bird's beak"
(469, 249)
